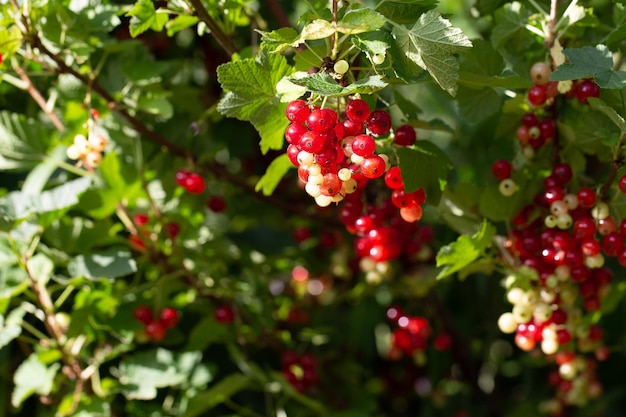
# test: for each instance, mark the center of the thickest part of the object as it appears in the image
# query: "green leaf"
(360, 21)
(41, 268)
(32, 377)
(405, 11)
(483, 66)
(218, 393)
(465, 251)
(274, 173)
(251, 95)
(18, 206)
(610, 112)
(497, 207)
(156, 104)
(144, 17)
(179, 23)
(477, 105)
(23, 142)
(425, 166)
(510, 19)
(10, 40)
(279, 40)
(11, 328)
(144, 372)
(111, 264)
(373, 43)
(325, 85)
(431, 43)
(588, 62)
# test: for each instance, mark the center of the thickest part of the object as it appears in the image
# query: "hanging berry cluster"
(156, 328)
(299, 370)
(88, 150)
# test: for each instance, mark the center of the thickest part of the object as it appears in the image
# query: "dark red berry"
(357, 110)
(172, 229)
(586, 89)
(501, 169)
(216, 204)
(155, 331)
(143, 314)
(141, 219)
(194, 184)
(404, 135)
(537, 95)
(224, 314)
(169, 317)
(379, 122)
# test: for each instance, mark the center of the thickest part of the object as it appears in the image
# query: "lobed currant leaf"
(424, 166)
(405, 11)
(251, 95)
(109, 265)
(144, 17)
(590, 62)
(274, 173)
(465, 250)
(431, 43)
(324, 84)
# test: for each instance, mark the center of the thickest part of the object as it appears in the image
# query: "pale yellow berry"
(507, 323)
(92, 159)
(507, 187)
(97, 142)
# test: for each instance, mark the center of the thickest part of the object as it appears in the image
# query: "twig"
(333, 39)
(618, 162)
(221, 38)
(551, 25)
(36, 95)
(279, 13)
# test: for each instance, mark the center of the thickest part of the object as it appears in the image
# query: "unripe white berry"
(305, 158)
(316, 179)
(73, 152)
(571, 200)
(522, 313)
(378, 59)
(315, 169)
(312, 189)
(549, 346)
(550, 221)
(548, 333)
(97, 142)
(564, 221)
(600, 211)
(507, 323)
(341, 66)
(356, 159)
(507, 187)
(558, 208)
(373, 277)
(542, 313)
(323, 200)
(344, 174)
(348, 187)
(92, 159)
(596, 261)
(567, 371)
(515, 295)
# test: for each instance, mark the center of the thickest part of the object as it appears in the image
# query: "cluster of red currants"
(336, 157)
(411, 335)
(141, 220)
(299, 370)
(539, 128)
(192, 182)
(563, 239)
(156, 328)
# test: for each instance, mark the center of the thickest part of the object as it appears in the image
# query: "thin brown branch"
(551, 25)
(279, 13)
(41, 102)
(224, 41)
(618, 162)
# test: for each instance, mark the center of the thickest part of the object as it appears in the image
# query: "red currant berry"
(181, 177)
(622, 184)
(537, 95)
(501, 169)
(155, 331)
(373, 167)
(294, 132)
(586, 89)
(194, 184)
(393, 178)
(352, 128)
(530, 120)
(357, 110)
(143, 314)
(216, 204)
(379, 122)
(169, 317)
(363, 145)
(562, 172)
(292, 153)
(172, 229)
(224, 314)
(547, 128)
(297, 111)
(321, 120)
(331, 184)
(301, 234)
(140, 219)
(586, 197)
(404, 135)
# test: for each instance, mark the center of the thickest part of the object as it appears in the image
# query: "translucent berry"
(586, 89)
(540, 73)
(143, 314)
(155, 331)
(537, 95)
(501, 169)
(379, 122)
(169, 317)
(404, 135)
(357, 110)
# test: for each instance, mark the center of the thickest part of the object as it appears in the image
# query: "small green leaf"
(465, 251)
(157, 105)
(405, 11)
(10, 40)
(373, 43)
(142, 373)
(23, 142)
(11, 328)
(40, 267)
(279, 40)
(324, 84)
(431, 43)
(588, 62)
(274, 173)
(110, 265)
(425, 166)
(179, 23)
(144, 17)
(360, 21)
(32, 377)
(251, 95)
(217, 394)
(510, 20)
